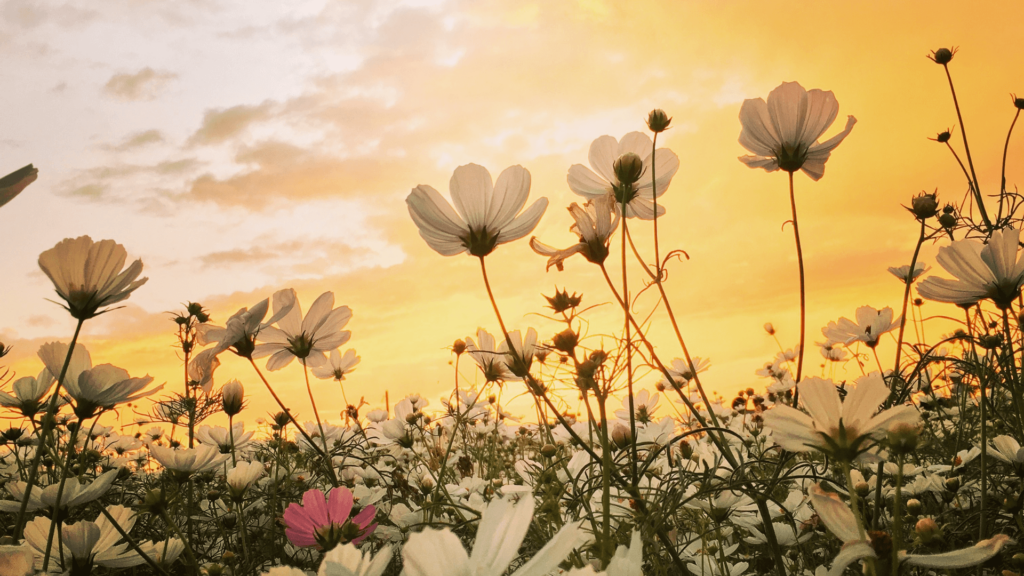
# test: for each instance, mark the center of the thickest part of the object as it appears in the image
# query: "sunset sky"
(240, 147)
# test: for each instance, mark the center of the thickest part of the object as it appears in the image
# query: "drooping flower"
(305, 338)
(868, 328)
(326, 522)
(12, 184)
(982, 271)
(622, 174)
(242, 476)
(489, 357)
(595, 224)
(783, 132)
(28, 393)
(843, 429)
(840, 520)
(105, 386)
(487, 213)
(87, 275)
(338, 365)
(75, 493)
(502, 528)
(240, 331)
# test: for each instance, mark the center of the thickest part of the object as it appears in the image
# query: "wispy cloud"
(142, 85)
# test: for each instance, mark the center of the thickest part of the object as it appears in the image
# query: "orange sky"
(239, 150)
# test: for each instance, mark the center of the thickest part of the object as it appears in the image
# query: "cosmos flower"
(868, 328)
(188, 461)
(595, 224)
(219, 437)
(783, 132)
(347, 560)
(644, 406)
(982, 271)
(499, 535)
(338, 365)
(839, 519)
(486, 213)
(682, 372)
(489, 357)
(1007, 449)
(87, 275)
(28, 393)
(240, 331)
(16, 560)
(980, 553)
(75, 493)
(326, 522)
(621, 167)
(86, 544)
(12, 184)
(902, 273)
(519, 359)
(105, 386)
(305, 338)
(844, 429)
(242, 476)
(232, 396)
(627, 561)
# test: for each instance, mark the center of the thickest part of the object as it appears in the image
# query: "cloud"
(140, 139)
(142, 85)
(222, 124)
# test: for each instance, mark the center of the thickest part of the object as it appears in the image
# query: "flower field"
(626, 464)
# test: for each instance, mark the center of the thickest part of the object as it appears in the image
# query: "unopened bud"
(1018, 103)
(459, 347)
(622, 436)
(914, 506)
(924, 205)
(927, 530)
(548, 450)
(953, 484)
(628, 168)
(903, 438)
(942, 55)
(565, 341)
(232, 395)
(862, 488)
(769, 328)
(658, 120)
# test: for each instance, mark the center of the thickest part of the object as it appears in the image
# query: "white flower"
(519, 359)
(28, 393)
(902, 273)
(53, 355)
(783, 132)
(644, 406)
(839, 519)
(221, 438)
(189, 460)
(240, 331)
(106, 386)
(347, 560)
(88, 275)
(982, 271)
(338, 365)
(75, 493)
(843, 429)
(868, 328)
(490, 358)
(627, 561)
(595, 224)
(682, 372)
(606, 153)
(232, 396)
(978, 554)
(16, 560)
(86, 543)
(502, 528)
(12, 184)
(242, 476)
(486, 213)
(1007, 449)
(306, 338)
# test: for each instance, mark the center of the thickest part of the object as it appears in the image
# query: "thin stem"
(967, 150)
(131, 542)
(188, 548)
(803, 295)
(72, 440)
(316, 414)
(1006, 148)
(855, 506)
(629, 351)
(49, 420)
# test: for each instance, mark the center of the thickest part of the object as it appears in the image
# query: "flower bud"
(459, 347)
(914, 506)
(862, 488)
(1018, 103)
(628, 168)
(232, 395)
(4, 350)
(903, 438)
(562, 302)
(658, 121)
(924, 205)
(942, 55)
(228, 557)
(769, 328)
(548, 450)
(565, 341)
(927, 530)
(953, 484)
(622, 436)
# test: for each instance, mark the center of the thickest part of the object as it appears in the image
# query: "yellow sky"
(239, 151)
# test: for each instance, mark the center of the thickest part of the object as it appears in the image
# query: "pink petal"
(369, 530)
(365, 516)
(315, 506)
(298, 538)
(339, 505)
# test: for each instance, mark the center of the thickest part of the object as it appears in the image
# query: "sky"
(239, 148)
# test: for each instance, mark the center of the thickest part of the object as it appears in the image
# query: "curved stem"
(906, 300)
(967, 151)
(803, 295)
(1006, 148)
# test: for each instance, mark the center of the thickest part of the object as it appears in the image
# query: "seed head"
(942, 55)
(924, 205)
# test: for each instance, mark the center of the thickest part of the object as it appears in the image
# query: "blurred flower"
(594, 225)
(839, 519)
(12, 184)
(325, 523)
(1008, 450)
(682, 372)
(638, 195)
(644, 406)
(337, 365)
(221, 438)
(188, 461)
(783, 132)
(88, 275)
(519, 359)
(488, 213)
(490, 358)
(982, 271)
(499, 535)
(966, 557)
(843, 429)
(16, 560)
(305, 338)
(870, 326)
(347, 560)
(902, 272)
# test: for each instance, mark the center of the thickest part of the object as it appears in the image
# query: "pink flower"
(325, 523)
